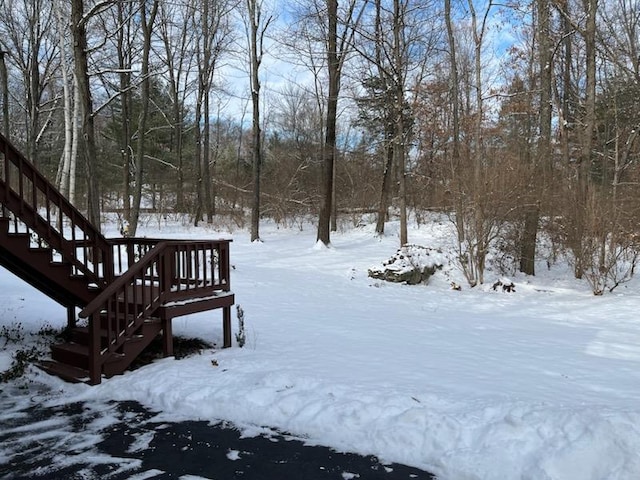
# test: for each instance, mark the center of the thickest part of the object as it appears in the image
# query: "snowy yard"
(543, 383)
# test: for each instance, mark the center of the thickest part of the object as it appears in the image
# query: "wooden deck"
(128, 289)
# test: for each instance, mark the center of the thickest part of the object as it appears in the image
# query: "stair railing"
(36, 203)
(168, 271)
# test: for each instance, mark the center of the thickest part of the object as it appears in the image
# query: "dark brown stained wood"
(128, 289)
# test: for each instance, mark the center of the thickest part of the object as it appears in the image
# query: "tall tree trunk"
(567, 90)
(455, 112)
(586, 140)
(254, 11)
(542, 166)
(334, 199)
(4, 91)
(77, 107)
(385, 190)
(198, 156)
(206, 137)
(147, 27)
(206, 159)
(590, 100)
(202, 99)
(329, 147)
(177, 54)
(202, 118)
(33, 83)
(383, 204)
(88, 132)
(178, 137)
(400, 134)
(63, 175)
(124, 64)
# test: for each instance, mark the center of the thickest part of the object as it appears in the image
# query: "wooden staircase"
(128, 289)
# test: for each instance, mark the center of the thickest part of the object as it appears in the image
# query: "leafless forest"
(518, 120)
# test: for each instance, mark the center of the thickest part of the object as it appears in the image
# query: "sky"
(476, 384)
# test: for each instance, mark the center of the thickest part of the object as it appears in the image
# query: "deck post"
(223, 261)
(71, 317)
(167, 337)
(95, 370)
(226, 327)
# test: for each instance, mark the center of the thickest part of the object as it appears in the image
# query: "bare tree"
(455, 111)
(147, 20)
(383, 81)
(400, 67)
(79, 32)
(585, 25)
(66, 175)
(609, 246)
(4, 86)
(324, 31)
(395, 66)
(477, 220)
(215, 37)
(542, 161)
(337, 47)
(329, 148)
(125, 52)
(479, 211)
(25, 34)
(178, 41)
(256, 29)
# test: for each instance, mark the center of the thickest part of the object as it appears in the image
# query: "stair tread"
(72, 347)
(68, 373)
(84, 331)
(40, 249)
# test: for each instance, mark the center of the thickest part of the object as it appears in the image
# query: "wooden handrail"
(43, 209)
(172, 270)
(122, 281)
(221, 246)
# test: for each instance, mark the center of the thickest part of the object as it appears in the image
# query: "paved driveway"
(126, 441)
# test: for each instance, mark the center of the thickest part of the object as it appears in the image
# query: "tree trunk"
(203, 98)
(205, 66)
(334, 199)
(567, 116)
(528, 240)
(206, 159)
(77, 107)
(329, 147)
(400, 134)
(383, 205)
(62, 175)
(178, 141)
(88, 132)
(198, 158)
(124, 64)
(33, 82)
(147, 28)
(4, 86)
(255, 59)
(178, 54)
(586, 140)
(542, 163)
(455, 112)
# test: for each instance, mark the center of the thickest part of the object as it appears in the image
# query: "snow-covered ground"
(543, 383)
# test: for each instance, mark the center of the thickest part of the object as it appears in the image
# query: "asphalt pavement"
(124, 440)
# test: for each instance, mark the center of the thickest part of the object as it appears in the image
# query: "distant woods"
(518, 120)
